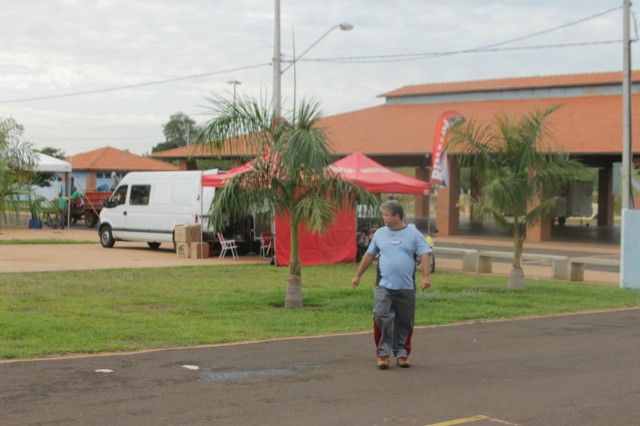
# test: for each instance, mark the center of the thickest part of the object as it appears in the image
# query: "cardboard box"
(183, 250)
(187, 233)
(199, 250)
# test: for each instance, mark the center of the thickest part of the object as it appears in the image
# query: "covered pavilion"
(400, 132)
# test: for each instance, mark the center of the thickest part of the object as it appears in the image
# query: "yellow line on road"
(460, 421)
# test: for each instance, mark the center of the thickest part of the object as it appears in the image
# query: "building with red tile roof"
(401, 131)
(92, 170)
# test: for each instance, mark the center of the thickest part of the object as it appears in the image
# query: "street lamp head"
(234, 82)
(345, 26)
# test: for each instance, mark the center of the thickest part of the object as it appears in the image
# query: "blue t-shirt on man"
(397, 249)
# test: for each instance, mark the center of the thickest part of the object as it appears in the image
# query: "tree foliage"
(179, 131)
(521, 172)
(17, 162)
(289, 172)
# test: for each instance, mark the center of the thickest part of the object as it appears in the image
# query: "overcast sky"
(50, 48)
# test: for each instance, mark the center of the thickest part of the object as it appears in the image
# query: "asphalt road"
(568, 370)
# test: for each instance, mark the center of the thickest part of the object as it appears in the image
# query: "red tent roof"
(374, 177)
(356, 168)
(220, 179)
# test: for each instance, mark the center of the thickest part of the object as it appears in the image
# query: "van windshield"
(119, 197)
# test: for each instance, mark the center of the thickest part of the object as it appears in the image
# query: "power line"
(379, 58)
(559, 27)
(132, 86)
(400, 57)
(486, 48)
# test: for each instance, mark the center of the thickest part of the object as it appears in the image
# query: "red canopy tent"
(220, 179)
(374, 177)
(339, 243)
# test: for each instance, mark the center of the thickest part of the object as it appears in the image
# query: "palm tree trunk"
(293, 299)
(516, 277)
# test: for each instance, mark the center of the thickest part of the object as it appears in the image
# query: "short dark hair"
(394, 207)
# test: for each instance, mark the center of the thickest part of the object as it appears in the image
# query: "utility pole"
(277, 61)
(627, 152)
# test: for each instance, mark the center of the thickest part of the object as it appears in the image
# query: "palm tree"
(289, 172)
(16, 163)
(521, 174)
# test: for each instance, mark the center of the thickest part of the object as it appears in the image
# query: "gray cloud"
(49, 48)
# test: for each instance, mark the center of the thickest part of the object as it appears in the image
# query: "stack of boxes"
(189, 243)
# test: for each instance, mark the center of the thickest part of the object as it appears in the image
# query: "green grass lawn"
(129, 309)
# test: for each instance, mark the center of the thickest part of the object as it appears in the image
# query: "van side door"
(118, 210)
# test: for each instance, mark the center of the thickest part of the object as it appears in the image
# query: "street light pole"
(235, 83)
(627, 152)
(277, 58)
(345, 26)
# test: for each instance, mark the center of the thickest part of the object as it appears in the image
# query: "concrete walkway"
(58, 257)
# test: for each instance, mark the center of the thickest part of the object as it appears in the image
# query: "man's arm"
(426, 271)
(366, 261)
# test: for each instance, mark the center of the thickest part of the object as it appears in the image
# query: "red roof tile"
(584, 125)
(201, 151)
(112, 159)
(569, 80)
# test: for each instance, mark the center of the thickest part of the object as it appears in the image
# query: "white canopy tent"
(47, 163)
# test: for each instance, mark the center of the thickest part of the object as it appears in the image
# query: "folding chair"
(266, 242)
(227, 245)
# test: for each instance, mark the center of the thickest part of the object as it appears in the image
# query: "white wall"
(629, 265)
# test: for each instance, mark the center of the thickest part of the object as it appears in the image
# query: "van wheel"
(153, 246)
(106, 239)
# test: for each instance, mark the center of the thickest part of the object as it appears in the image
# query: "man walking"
(395, 292)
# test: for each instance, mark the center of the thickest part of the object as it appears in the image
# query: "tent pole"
(68, 201)
(429, 215)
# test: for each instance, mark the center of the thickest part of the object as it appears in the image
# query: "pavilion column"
(447, 210)
(422, 201)
(185, 164)
(605, 196)
(541, 231)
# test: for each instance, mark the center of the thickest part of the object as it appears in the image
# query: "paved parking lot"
(569, 370)
(573, 370)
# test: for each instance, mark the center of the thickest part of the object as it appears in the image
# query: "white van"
(147, 206)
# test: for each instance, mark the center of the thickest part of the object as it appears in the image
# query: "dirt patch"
(62, 257)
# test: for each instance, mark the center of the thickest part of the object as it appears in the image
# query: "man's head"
(75, 189)
(392, 214)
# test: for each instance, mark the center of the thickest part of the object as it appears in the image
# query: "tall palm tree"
(520, 171)
(289, 172)
(16, 163)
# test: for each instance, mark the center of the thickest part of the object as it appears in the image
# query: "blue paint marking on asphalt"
(228, 376)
